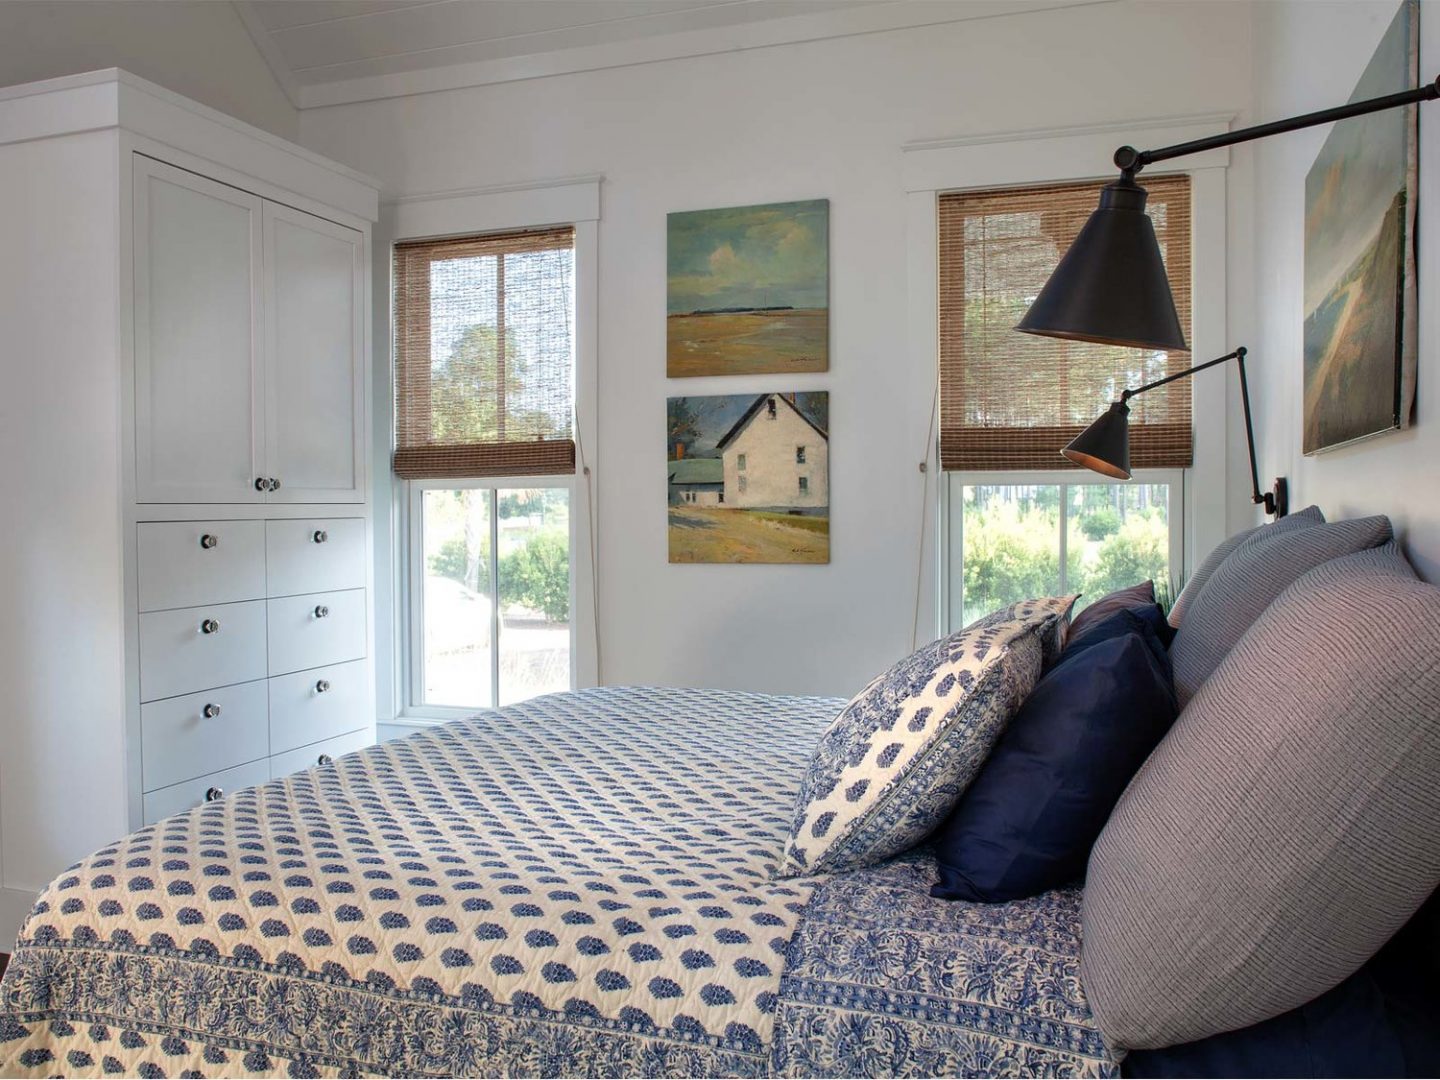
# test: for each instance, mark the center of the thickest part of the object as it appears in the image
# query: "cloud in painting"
(749, 257)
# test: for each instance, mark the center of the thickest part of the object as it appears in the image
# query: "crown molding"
(761, 34)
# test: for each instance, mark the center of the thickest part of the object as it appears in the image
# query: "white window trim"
(1056, 155)
(573, 201)
(952, 519)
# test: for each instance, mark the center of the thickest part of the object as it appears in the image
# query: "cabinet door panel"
(315, 399)
(197, 380)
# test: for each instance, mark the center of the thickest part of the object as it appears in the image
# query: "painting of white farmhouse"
(748, 477)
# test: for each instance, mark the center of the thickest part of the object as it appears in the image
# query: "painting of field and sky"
(748, 478)
(1360, 258)
(748, 290)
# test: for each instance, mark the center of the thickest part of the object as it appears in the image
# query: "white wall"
(1308, 55)
(199, 49)
(818, 120)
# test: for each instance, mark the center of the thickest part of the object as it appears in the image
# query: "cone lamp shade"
(1110, 286)
(1104, 446)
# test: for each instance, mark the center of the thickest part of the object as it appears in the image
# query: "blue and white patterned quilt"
(579, 885)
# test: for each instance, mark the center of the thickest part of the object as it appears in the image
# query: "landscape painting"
(748, 290)
(748, 478)
(1360, 305)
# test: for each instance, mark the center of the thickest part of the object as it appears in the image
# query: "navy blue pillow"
(1028, 821)
(1382, 1021)
(1125, 621)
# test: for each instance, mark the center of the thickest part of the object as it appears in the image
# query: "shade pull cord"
(584, 467)
(924, 517)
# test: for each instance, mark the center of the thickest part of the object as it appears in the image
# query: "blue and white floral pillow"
(899, 756)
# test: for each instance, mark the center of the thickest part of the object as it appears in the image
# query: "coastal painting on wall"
(748, 290)
(1360, 305)
(748, 477)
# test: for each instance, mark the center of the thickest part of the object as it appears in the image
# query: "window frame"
(544, 204)
(1213, 507)
(952, 519)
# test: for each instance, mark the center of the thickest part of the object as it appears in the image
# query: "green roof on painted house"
(699, 470)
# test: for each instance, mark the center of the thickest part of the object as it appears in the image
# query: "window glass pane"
(1118, 535)
(1012, 545)
(534, 592)
(457, 660)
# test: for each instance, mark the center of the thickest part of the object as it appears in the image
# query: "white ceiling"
(327, 52)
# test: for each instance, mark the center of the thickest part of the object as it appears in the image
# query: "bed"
(577, 885)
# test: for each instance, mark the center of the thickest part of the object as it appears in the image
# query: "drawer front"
(181, 797)
(308, 757)
(315, 630)
(185, 737)
(187, 563)
(178, 655)
(314, 555)
(308, 706)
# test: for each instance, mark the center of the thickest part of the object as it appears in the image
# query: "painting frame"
(748, 290)
(748, 477)
(1360, 303)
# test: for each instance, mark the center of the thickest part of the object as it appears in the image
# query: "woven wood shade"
(1010, 401)
(484, 355)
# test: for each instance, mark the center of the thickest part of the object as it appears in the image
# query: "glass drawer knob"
(211, 794)
(210, 711)
(323, 686)
(321, 611)
(210, 626)
(209, 540)
(320, 536)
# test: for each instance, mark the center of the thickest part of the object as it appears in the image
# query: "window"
(720, 496)
(740, 462)
(804, 484)
(1016, 536)
(1019, 522)
(484, 440)
(770, 408)
(1011, 401)
(742, 485)
(799, 455)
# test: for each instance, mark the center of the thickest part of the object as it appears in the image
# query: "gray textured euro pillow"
(1252, 576)
(1311, 515)
(1287, 825)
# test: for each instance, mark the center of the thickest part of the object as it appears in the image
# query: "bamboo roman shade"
(484, 355)
(1010, 401)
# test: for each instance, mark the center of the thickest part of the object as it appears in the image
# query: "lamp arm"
(1238, 354)
(1131, 161)
(1271, 502)
(1256, 497)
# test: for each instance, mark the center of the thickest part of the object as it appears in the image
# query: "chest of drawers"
(252, 652)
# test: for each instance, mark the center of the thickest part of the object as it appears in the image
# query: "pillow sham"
(1287, 825)
(1135, 596)
(1253, 575)
(898, 756)
(1311, 515)
(1122, 622)
(1029, 820)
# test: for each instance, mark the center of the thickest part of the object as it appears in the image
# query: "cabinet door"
(315, 398)
(198, 380)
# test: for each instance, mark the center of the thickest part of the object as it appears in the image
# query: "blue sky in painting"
(716, 414)
(749, 257)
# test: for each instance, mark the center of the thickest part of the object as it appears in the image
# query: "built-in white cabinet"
(198, 372)
(273, 678)
(314, 393)
(248, 346)
(187, 303)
